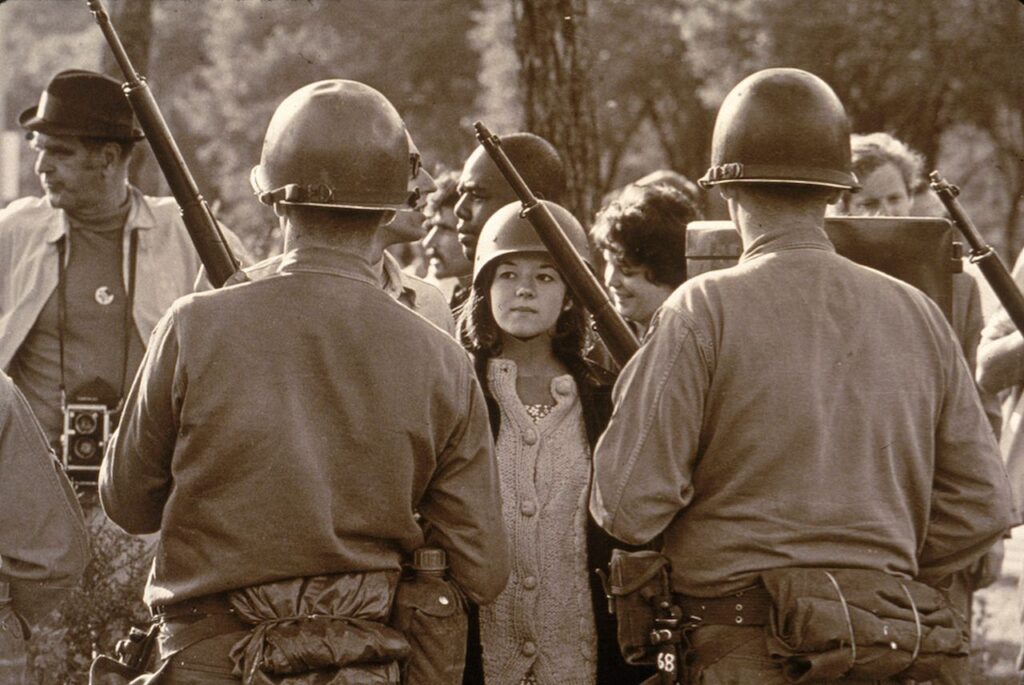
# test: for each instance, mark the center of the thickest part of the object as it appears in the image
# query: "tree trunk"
(554, 77)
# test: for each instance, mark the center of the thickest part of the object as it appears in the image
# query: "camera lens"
(86, 422)
(85, 449)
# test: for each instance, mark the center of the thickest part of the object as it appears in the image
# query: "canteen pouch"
(431, 612)
(633, 583)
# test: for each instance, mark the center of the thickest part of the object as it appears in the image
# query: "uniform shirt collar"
(392, 281)
(324, 260)
(784, 239)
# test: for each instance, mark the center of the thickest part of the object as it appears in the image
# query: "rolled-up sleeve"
(135, 477)
(644, 461)
(44, 545)
(463, 502)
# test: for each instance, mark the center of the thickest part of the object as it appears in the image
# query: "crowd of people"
(795, 434)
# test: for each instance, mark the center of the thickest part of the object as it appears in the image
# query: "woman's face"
(635, 297)
(527, 295)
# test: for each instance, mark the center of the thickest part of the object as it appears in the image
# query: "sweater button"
(530, 437)
(529, 648)
(530, 582)
(528, 508)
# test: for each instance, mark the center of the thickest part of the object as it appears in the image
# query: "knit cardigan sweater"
(544, 620)
(593, 385)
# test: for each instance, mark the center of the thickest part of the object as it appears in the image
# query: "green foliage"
(100, 611)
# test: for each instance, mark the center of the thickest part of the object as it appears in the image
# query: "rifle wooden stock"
(206, 236)
(617, 336)
(992, 267)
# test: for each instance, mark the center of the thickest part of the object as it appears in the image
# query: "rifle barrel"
(214, 252)
(982, 254)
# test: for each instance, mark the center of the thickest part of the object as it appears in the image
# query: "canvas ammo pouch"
(633, 584)
(853, 623)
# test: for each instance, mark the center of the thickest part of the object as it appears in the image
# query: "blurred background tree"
(554, 83)
(623, 86)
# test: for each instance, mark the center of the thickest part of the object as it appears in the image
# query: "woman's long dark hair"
(479, 332)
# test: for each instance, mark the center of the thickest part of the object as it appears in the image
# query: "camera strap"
(62, 294)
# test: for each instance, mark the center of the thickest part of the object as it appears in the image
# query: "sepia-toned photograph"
(511, 342)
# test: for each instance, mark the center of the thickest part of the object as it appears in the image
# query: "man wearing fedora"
(87, 271)
(92, 265)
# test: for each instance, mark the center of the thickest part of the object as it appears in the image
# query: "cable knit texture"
(543, 621)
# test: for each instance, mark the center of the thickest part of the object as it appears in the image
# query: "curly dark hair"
(479, 333)
(645, 227)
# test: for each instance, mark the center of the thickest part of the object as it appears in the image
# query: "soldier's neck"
(754, 223)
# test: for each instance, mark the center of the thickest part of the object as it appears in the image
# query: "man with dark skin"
(483, 190)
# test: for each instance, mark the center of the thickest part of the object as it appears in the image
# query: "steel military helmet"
(781, 126)
(508, 232)
(339, 144)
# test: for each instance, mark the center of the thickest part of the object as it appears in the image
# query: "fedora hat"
(83, 103)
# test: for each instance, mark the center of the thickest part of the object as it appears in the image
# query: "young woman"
(548, 405)
(642, 235)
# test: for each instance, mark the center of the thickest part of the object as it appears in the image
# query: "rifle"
(611, 327)
(992, 267)
(209, 242)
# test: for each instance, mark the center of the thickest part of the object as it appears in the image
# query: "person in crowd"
(447, 266)
(777, 429)
(88, 269)
(642, 236)
(1001, 371)
(44, 546)
(291, 439)
(890, 173)
(483, 190)
(548, 404)
(93, 264)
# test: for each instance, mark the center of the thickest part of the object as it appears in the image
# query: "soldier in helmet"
(415, 293)
(284, 433)
(799, 426)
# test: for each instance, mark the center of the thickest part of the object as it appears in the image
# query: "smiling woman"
(642, 235)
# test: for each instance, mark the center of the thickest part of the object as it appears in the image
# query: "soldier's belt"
(748, 607)
(205, 605)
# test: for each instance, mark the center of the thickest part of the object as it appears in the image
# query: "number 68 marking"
(666, 662)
